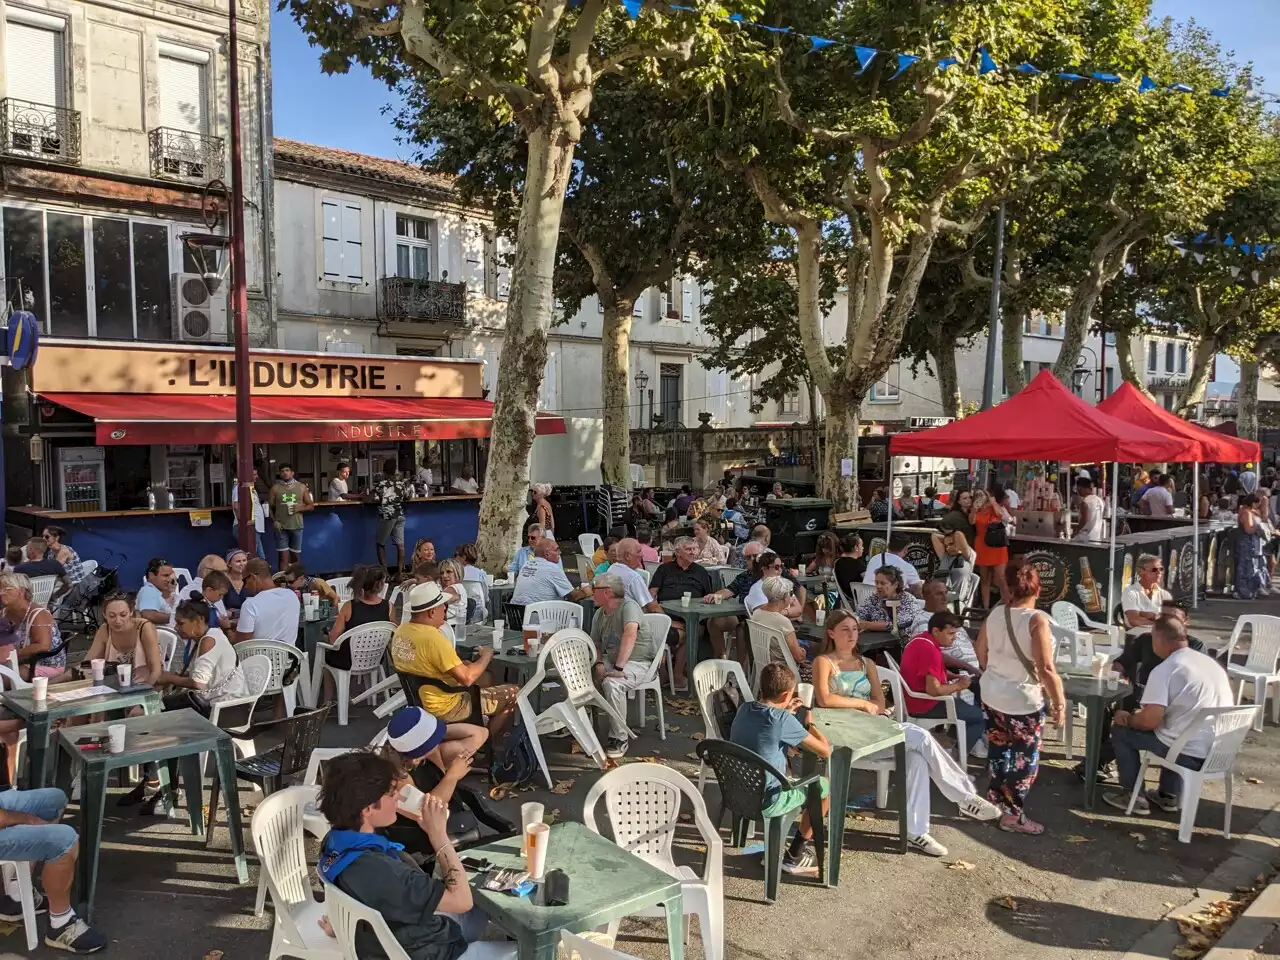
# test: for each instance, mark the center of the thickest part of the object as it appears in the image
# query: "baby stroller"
(80, 608)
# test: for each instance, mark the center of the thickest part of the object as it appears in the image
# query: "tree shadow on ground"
(1046, 923)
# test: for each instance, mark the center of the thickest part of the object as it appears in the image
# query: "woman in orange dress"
(989, 509)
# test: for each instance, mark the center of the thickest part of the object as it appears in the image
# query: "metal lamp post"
(642, 381)
(240, 300)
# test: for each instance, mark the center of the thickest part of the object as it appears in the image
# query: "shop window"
(151, 281)
(112, 279)
(24, 258)
(68, 287)
(1153, 355)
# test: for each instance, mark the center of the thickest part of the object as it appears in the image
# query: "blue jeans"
(970, 714)
(1127, 743)
(41, 843)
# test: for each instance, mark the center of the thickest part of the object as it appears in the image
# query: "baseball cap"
(414, 733)
(427, 596)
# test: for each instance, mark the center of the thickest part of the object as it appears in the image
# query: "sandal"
(1020, 824)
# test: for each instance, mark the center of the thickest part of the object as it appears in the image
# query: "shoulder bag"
(996, 535)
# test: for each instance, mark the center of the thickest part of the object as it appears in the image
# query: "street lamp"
(642, 381)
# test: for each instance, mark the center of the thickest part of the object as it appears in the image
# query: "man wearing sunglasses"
(525, 553)
(1142, 600)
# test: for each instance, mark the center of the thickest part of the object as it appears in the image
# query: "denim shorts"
(290, 540)
(36, 844)
(390, 528)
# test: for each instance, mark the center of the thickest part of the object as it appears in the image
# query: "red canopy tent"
(1045, 421)
(1133, 406)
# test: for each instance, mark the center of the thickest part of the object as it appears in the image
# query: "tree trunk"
(1108, 260)
(1198, 381)
(524, 345)
(944, 359)
(1124, 360)
(1247, 415)
(841, 444)
(815, 431)
(615, 375)
(1011, 352)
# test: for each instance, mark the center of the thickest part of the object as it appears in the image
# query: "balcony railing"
(431, 301)
(39, 130)
(183, 155)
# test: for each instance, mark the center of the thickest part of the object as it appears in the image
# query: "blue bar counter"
(336, 536)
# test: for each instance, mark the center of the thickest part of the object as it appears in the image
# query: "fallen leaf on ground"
(562, 787)
(1007, 902)
(7, 927)
(960, 865)
(501, 792)
(1137, 836)
(553, 816)
(1183, 952)
(575, 747)
(698, 848)
(213, 955)
(1167, 906)
(1011, 868)
(1076, 838)
(697, 736)
(1103, 942)
(672, 728)
(1252, 780)
(694, 757)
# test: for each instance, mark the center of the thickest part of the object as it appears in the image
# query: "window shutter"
(502, 272)
(351, 266)
(34, 55)
(638, 310)
(182, 101)
(686, 300)
(549, 395)
(473, 258)
(332, 240)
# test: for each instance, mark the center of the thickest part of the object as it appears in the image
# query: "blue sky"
(352, 117)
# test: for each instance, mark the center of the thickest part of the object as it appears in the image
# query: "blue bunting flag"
(986, 64)
(865, 55)
(904, 60)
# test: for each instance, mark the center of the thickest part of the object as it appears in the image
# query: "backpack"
(724, 706)
(517, 764)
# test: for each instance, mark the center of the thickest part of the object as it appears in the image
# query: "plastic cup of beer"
(1100, 664)
(39, 688)
(115, 738)
(805, 692)
(125, 672)
(537, 837)
(684, 600)
(530, 813)
(99, 668)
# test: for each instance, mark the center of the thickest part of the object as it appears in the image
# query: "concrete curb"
(1254, 853)
(1251, 929)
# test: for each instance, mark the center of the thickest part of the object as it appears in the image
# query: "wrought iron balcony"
(39, 130)
(431, 301)
(183, 155)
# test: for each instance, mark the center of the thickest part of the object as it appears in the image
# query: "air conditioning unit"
(198, 315)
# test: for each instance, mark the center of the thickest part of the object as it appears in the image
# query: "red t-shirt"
(921, 658)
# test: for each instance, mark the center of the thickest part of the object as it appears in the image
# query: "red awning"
(1131, 405)
(144, 418)
(1045, 421)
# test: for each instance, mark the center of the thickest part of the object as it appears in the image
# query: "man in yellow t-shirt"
(419, 647)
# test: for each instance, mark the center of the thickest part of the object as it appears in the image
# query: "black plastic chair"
(515, 615)
(410, 682)
(743, 776)
(270, 769)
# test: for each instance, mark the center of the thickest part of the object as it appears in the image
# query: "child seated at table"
(432, 917)
(213, 588)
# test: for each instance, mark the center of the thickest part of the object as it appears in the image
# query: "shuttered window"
(341, 238)
(35, 66)
(182, 97)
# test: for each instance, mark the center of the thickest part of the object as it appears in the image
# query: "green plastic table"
(181, 735)
(606, 883)
(40, 715)
(499, 594)
(869, 641)
(1095, 694)
(855, 735)
(511, 655)
(693, 615)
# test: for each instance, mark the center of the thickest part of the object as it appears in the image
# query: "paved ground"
(1091, 887)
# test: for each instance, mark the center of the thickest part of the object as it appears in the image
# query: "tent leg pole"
(889, 529)
(1195, 533)
(1115, 523)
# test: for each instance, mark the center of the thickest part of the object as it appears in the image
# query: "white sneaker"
(927, 845)
(979, 751)
(980, 808)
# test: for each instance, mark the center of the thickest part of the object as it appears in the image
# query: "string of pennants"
(903, 61)
(1258, 251)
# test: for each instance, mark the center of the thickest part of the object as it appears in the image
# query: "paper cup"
(1100, 664)
(819, 617)
(115, 734)
(536, 836)
(805, 692)
(39, 687)
(500, 625)
(99, 668)
(125, 672)
(685, 598)
(530, 813)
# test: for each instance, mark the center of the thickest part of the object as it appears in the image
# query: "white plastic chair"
(168, 641)
(42, 590)
(1230, 726)
(574, 655)
(928, 723)
(572, 945)
(1073, 649)
(645, 575)
(1066, 614)
(21, 876)
(280, 654)
(854, 599)
(182, 578)
(1262, 665)
(589, 543)
(643, 802)
(550, 616)
(586, 570)
(342, 587)
(367, 643)
(727, 576)
(884, 763)
(13, 681)
(968, 588)
(764, 640)
(659, 625)
(257, 677)
(475, 590)
(280, 840)
(708, 677)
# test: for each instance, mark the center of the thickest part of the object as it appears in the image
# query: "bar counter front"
(336, 536)
(1080, 570)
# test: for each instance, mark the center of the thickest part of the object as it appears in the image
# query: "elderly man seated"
(542, 578)
(1183, 684)
(1142, 600)
(671, 581)
(626, 649)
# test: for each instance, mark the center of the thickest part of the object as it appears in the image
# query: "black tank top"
(362, 613)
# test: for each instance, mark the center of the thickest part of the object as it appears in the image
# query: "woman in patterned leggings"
(1015, 650)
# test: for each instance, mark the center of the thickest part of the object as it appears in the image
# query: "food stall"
(109, 430)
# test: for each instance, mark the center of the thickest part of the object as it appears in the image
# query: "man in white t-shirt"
(1158, 500)
(1186, 682)
(1143, 600)
(1091, 512)
(542, 578)
(424, 477)
(465, 483)
(893, 557)
(338, 484)
(271, 612)
(628, 570)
